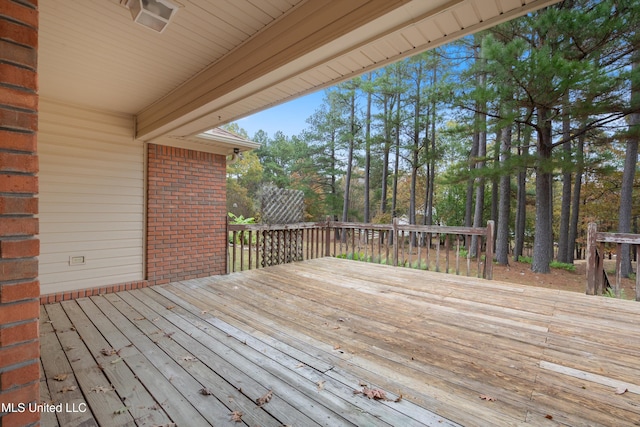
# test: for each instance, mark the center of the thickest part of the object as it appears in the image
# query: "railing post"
(327, 237)
(396, 247)
(592, 229)
(488, 256)
(226, 258)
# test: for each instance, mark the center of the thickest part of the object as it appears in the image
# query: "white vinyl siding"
(91, 198)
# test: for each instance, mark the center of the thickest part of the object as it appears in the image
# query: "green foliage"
(241, 236)
(610, 293)
(563, 266)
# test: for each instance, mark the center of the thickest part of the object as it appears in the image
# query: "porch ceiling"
(221, 60)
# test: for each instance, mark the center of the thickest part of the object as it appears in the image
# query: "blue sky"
(290, 117)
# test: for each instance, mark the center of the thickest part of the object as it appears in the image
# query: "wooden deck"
(313, 334)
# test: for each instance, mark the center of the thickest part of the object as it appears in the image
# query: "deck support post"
(396, 243)
(327, 237)
(488, 258)
(592, 230)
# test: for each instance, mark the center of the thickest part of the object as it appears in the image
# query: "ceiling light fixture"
(153, 14)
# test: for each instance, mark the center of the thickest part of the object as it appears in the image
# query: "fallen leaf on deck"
(336, 347)
(188, 358)
(119, 359)
(69, 348)
(61, 377)
(549, 417)
(621, 390)
(204, 312)
(101, 389)
(108, 351)
(122, 410)
(264, 399)
(170, 307)
(68, 388)
(168, 334)
(300, 365)
(205, 391)
(372, 393)
(320, 385)
(398, 399)
(487, 398)
(236, 416)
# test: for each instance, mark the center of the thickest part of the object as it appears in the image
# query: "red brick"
(21, 34)
(19, 12)
(18, 269)
(17, 76)
(28, 393)
(19, 120)
(19, 291)
(14, 354)
(18, 162)
(19, 376)
(21, 226)
(18, 98)
(20, 55)
(19, 333)
(18, 141)
(18, 184)
(19, 419)
(12, 205)
(19, 248)
(16, 312)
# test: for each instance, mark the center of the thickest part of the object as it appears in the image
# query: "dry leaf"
(204, 312)
(336, 347)
(320, 385)
(170, 307)
(549, 417)
(621, 390)
(236, 416)
(101, 389)
(168, 334)
(205, 391)
(108, 351)
(68, 388)
(61, 377)
(487, 398)
(114, 361)
(398, 399)
(264, 399)
(374, 393)
(122, 410)
(188, 358)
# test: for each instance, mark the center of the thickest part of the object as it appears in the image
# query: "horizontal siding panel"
(91, 198)
(128, 264)
(52, 247)
(91, 282)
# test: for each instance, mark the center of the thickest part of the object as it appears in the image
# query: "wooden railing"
(597, 243)
(435, 248)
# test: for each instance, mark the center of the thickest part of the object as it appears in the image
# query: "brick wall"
(186, 214)
(19, 287)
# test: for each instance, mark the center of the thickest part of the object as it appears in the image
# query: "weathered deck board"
(316, 331)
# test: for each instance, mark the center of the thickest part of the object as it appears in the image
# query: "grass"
(553, 264)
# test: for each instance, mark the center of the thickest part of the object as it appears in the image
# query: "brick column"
(19, 247)
(186, 214)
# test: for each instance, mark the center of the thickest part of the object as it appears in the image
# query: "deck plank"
(171, 400)
(443, 342)
(133, 393)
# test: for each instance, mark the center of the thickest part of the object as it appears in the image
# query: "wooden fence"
(597, 243)
(446, 249)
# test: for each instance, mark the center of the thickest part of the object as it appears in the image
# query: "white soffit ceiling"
(220, 60)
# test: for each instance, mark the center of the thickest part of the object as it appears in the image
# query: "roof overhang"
(213, 65)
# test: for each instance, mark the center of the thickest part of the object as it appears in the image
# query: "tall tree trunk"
(630, 164)
(396, 167)
(385, 154)
(543, 238)
(521, 198)
(482, 153)
(352, 137)
(416, 147)
(575, 203)
(367, 156)
(468, 207)
(495, 180)
(432, 160)
(565, 213)
(502, 240)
